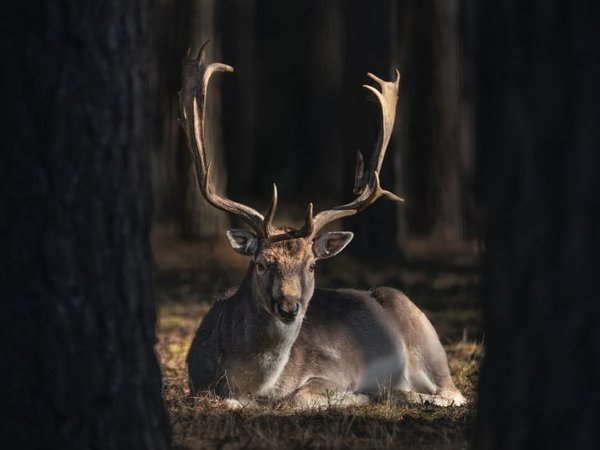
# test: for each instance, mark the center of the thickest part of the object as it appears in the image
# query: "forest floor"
(190, 275)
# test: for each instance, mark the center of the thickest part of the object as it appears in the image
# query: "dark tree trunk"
(78, 313)
(237, 19)
(449, 153)
(320, 160)
(418, 67)
(435, 145)
(199, 218)
(170, 39)
(538, 140)
(280, 98)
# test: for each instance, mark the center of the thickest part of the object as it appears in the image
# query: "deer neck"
(263, 342)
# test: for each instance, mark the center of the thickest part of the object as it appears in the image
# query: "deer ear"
(243, 242)
(330, 244)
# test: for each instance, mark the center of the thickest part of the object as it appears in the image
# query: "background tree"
(241, 99)
(198, 217)
(78, 316)
(538, 137)
(435, 127)
(450, 155)
(171, 37)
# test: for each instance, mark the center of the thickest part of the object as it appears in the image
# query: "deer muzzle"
(287, 308)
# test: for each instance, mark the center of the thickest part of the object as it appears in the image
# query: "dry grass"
(205, 423)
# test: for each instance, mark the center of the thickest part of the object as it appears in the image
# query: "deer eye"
(260, 267)
(311, 268)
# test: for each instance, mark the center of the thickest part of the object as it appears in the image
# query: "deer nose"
(287, 308)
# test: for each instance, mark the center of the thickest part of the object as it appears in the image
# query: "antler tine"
(267, 224)
(366, 184)
(388, 97)
(309, 225)
(359, 173)
(192, 102)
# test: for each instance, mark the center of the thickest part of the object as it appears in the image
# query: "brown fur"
(347, 342)
(287, 254)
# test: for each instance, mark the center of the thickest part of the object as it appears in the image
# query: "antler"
(192, 103)
(366, 185)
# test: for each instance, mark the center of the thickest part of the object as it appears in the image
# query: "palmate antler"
(366, 184)
(192, 101)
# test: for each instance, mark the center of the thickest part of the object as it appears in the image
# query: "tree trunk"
(437, 153)
(198, 217)
(320, 160)
(170, 39)
(449, 155)
(416, 19)
(78, 312)
(237, 20)
(538, 138)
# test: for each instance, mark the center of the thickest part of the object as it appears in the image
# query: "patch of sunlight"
(177, 348)
(172, 321)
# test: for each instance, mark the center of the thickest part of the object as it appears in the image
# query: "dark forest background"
(294, 113)
(496, 142)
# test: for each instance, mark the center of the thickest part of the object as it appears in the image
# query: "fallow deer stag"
(279, 338)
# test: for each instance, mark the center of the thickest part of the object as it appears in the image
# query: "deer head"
(283, 259)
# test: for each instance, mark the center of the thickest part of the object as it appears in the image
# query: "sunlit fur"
(344, 345)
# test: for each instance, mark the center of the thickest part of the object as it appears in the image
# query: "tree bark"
(77, 309)
(538, 138)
